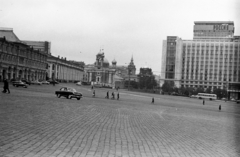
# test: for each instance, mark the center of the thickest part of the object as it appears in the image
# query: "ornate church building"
(101, 72)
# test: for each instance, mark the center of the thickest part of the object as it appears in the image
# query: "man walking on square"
(93, 93)
(203, 102)
(107, 96)
(113, 96)
(6, 86)
(118, 96)
(152, 100)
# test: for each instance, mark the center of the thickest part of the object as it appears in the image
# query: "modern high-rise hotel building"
(211, 59)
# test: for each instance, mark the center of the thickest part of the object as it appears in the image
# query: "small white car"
(36, 82)
(79, 83)
(45, 82)
(193, 96)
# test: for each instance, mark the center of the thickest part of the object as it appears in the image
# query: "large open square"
(34, 122)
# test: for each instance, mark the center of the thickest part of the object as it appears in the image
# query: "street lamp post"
(128, 78)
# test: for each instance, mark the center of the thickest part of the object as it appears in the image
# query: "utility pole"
(128, 78)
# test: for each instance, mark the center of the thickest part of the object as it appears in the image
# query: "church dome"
(105, 61)
(114, 61)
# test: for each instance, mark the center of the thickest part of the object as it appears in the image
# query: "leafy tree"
(168, 86)
(199, 90)
(209, 90)
(220, 92)
(146, 79)
(134, 84)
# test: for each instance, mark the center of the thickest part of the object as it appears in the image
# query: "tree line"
(170, 88)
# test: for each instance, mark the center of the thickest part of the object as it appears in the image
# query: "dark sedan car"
(19, 84)
(27, 82)
(53, 82)
(68, 93)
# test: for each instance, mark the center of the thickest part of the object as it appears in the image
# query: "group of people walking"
(107, 94)
(113, 95)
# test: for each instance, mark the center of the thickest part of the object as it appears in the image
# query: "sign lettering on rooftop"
(220, 27)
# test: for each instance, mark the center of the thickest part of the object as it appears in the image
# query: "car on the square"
(53, 82)
(79, 83)
(224, 99)
(174, 93)
(69, 93)
(26, 81)
(19, 84)
(98, 85)
(36, 82)
(238, 101)
(45, 82)
(193, 96)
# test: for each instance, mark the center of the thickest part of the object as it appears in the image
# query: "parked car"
(36, 82)
(26, 81)
(19, 84)
(224, 99)
(45, 82)
(86, 83)
(174, 93)
(193, 96)
(238, 101)
(79, 83)
(53, 81)
(97, 85)
(69, 93)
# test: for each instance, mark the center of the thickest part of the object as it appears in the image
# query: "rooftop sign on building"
(213, 30)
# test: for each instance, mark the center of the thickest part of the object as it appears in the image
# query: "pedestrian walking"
(203, 102)
(220, 107)
(107, 96)
(118, 96)
(92, 87)
(152, 100)
(6, 86)
(93, 93)
(113, 95)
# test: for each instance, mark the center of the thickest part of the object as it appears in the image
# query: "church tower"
(114, 63)
(131, 67)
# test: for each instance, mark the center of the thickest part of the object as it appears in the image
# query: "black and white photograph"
(120, 78)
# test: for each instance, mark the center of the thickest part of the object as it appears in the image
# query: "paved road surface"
(34, 122)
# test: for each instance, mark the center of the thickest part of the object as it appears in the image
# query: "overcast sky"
(123, 27)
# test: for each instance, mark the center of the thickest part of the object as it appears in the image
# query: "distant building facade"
(63, 70)
(18, 60)
(211, 59)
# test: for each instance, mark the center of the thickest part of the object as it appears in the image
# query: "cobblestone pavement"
(35, 123)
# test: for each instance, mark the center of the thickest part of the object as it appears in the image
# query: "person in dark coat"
(152, 100)
(53, 83)
(203, 102)
(93, 93)
(5, 86)
(118, 96)
(107, 96)
(113, 95)
(220, 108)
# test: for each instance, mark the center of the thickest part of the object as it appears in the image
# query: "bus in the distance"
(206, 96)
